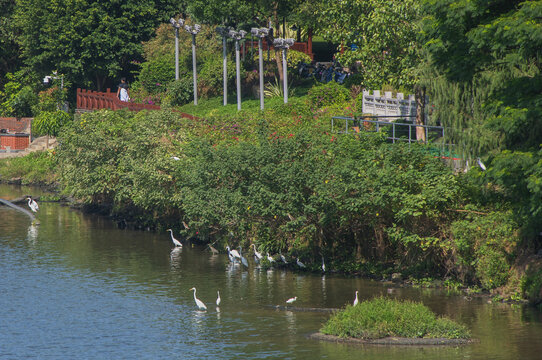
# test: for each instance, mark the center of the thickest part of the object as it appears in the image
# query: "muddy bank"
(393, 341)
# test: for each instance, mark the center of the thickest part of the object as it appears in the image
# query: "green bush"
(383, 317)
(155, 74)
(354, 79)
(179, 92)
(210, 76)
(328, 94)
(483, 246)
(50, 122)
(34, 168)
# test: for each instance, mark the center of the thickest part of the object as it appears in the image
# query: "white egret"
(175, 158)
(356, 301)
(256, 253)
(233, 252)
(481, 164)
(32, 204)
(270, 258)
(199, 303)
(176, 242)
(323, 265)
(283, 258)
(300, 264)
(218, 300)
(291, 300)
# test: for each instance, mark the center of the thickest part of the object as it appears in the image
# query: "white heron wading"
(356, 301)
(300, 264)
(256, 253)
(218, 300)
(291, 300)
(199, 303)
(32, 204)
(176, 242)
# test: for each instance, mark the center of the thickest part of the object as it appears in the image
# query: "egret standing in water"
(270, 258)
(356, 301)
(323, 265)
(291, 300)
(32, 204)
(199, 303)
(283, 258)
(300, 264)
(256, 253)
(218, 300)
(176, 242)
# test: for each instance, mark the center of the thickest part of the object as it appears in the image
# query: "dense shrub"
(210, 76)
(328, 94)
(179, 92)
(155, 74)
(50, 122)
(484, 245)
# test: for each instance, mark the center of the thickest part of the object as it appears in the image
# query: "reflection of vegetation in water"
(383, 317)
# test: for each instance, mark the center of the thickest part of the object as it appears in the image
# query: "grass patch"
(214, 106)
(383, 317)
(34, 168)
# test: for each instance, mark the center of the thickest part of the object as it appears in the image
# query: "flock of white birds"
(237, 257)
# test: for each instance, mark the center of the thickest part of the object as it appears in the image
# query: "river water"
(77, 287)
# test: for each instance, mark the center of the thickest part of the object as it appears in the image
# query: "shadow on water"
(81, 288)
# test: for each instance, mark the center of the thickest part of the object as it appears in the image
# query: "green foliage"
(17, 99)
(384, 33)
(531, 286)
(179, 92)
(210, 76)
(484, 246)
(50, 122)
(87, 41)
(155, 74)
(34, 168)
(275, 89)
(328, 94)
(383, 317)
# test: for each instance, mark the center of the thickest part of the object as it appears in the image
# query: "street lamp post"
(176, 25)
(260, 33)
(193, 30)
(284, 44)
(47, 79)
(237, 35)
(223, 31)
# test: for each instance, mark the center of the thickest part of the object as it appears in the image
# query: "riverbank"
(282, 181)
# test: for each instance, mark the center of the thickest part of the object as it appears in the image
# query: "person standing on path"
(122, 91)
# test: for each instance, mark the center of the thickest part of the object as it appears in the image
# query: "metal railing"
(396, 131)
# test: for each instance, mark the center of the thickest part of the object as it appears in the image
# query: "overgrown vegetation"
(384, 317)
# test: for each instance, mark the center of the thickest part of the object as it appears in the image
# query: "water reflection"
(133, 285)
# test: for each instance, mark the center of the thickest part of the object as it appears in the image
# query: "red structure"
(304, 47)
(94, 100)
(15, 133)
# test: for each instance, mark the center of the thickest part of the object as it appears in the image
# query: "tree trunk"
(420, 113)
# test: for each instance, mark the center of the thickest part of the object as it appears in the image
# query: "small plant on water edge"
(382, 317)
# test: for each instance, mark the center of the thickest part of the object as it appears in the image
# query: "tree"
(9, 51)
(484, 72)
(87, 41)
(384, 35)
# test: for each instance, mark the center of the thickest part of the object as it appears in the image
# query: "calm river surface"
(76, 287)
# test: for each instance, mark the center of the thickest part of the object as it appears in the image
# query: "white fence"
(387, 105)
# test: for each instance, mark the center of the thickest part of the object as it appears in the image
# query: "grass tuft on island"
(384, 317)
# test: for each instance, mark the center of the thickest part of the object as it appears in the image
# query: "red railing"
(95, 100)
(304, 47)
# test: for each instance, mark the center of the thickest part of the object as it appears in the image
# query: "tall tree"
(9, 51)
(87, 41)
(484, 76)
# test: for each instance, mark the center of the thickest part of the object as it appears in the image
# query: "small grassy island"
(385, 318)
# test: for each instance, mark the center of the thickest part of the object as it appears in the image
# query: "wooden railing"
(304, 47)
(95, 100)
